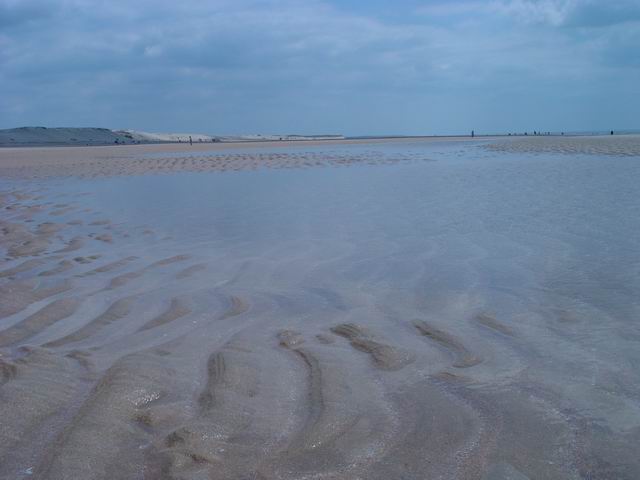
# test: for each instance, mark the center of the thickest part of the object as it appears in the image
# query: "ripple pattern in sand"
(120, 362)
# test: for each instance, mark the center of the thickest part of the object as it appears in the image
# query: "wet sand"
(616, 145)
(274, 347)
(43, 162)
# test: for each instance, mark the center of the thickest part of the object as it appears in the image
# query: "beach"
(339, 309)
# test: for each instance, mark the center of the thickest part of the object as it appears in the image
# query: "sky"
(354, 67)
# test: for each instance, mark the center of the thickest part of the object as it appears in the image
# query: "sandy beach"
(32, 162)
(615, 145)
(447, 308)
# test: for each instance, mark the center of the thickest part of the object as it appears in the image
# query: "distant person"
(473, 134)
(611, 132)
(190, 140)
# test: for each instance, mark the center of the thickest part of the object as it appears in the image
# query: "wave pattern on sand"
(91, 166)
(619, 145)
(139, 357)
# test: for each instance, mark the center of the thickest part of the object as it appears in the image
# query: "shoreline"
(134, 159)
(260, 143)
(119, 160)
(319, 141)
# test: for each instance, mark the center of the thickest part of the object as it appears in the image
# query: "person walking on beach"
(473, 133)
(190, 141)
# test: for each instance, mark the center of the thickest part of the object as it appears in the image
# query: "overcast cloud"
(353, 67)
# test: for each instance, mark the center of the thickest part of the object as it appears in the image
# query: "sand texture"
(336, 323)
(42, 162)
(617, 145)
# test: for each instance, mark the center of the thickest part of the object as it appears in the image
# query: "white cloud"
(255, 53)
(552, 12)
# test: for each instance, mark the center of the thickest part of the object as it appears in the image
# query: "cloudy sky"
(321, 66)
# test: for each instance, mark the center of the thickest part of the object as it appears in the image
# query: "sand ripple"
(616, 145)
(149, 361)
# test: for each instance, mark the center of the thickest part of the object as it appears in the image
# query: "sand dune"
(59, 136)
(34, 136)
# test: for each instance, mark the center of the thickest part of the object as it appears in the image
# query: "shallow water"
(445, 312)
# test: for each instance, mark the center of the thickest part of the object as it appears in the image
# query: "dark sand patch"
(177, 309)
(116, 311)
(190, 271)
(63, 266)
(463, 357)
(25, 266)
(40, 320)
(384, 356)
(237, 306)
(17, 296)
(76, 243)
(490, 321)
